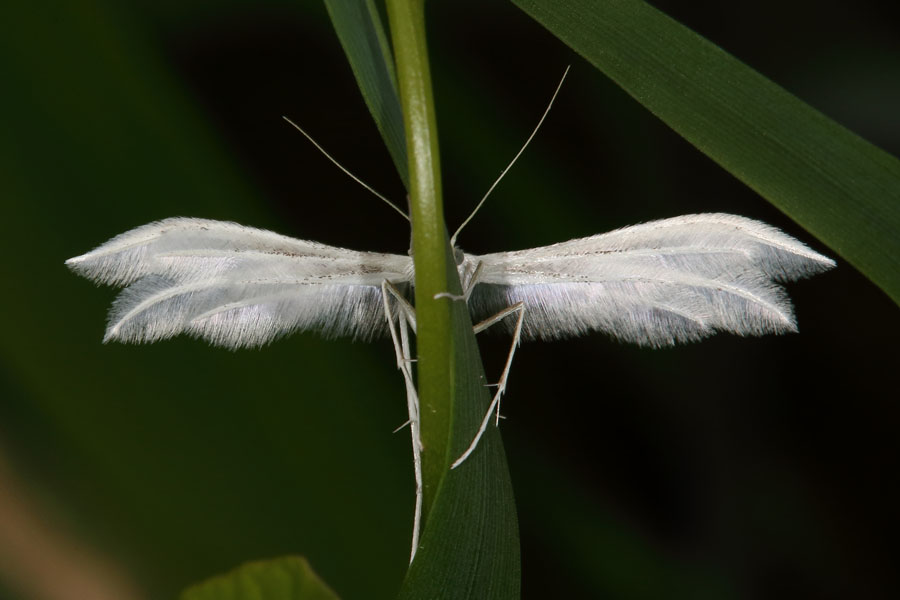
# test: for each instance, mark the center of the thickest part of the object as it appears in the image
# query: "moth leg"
(412, 406)
(519, 308)
(401, 426)
(471, 280)
(494, 408)
(407, 318)
(404, 363)
(389, 288)
(468, 284)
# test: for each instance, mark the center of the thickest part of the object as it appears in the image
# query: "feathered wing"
(237, 286)
(653, 284)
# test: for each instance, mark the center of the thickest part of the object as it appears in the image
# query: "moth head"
(458, 256)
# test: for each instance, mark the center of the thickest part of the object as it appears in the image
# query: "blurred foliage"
(746, 468)
(287, 578)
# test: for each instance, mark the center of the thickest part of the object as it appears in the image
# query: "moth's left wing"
(237, 286)
(653, 284)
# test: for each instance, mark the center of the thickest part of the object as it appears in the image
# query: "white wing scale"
(237, 286)
(655, 284)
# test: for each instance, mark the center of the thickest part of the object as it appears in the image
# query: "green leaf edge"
(362, 36)
(283, 578)
(842, 189)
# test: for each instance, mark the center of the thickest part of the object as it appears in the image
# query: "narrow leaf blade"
(470, 545)
(838, 186)
(362, 36)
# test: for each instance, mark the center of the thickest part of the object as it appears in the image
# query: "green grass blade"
(287, 578)
(469, 546)
(362, 36)
(841, 188)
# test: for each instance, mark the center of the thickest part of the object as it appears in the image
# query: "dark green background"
(759, 468)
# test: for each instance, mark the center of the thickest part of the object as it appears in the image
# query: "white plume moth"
(654, 284)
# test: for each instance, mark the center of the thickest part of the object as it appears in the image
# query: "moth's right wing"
(653, 284)
(237, 286)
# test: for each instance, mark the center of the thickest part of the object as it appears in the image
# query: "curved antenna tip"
(515, 158)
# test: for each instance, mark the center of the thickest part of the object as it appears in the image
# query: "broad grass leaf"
(841, 188)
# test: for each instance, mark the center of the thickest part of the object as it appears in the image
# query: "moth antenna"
(515, 158)
(347, 172)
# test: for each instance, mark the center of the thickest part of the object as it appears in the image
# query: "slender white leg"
(406, 317)
(517, 336)
(501, 385)
(469, 281)
(404, 362)
(412, 406)
(402, 302)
